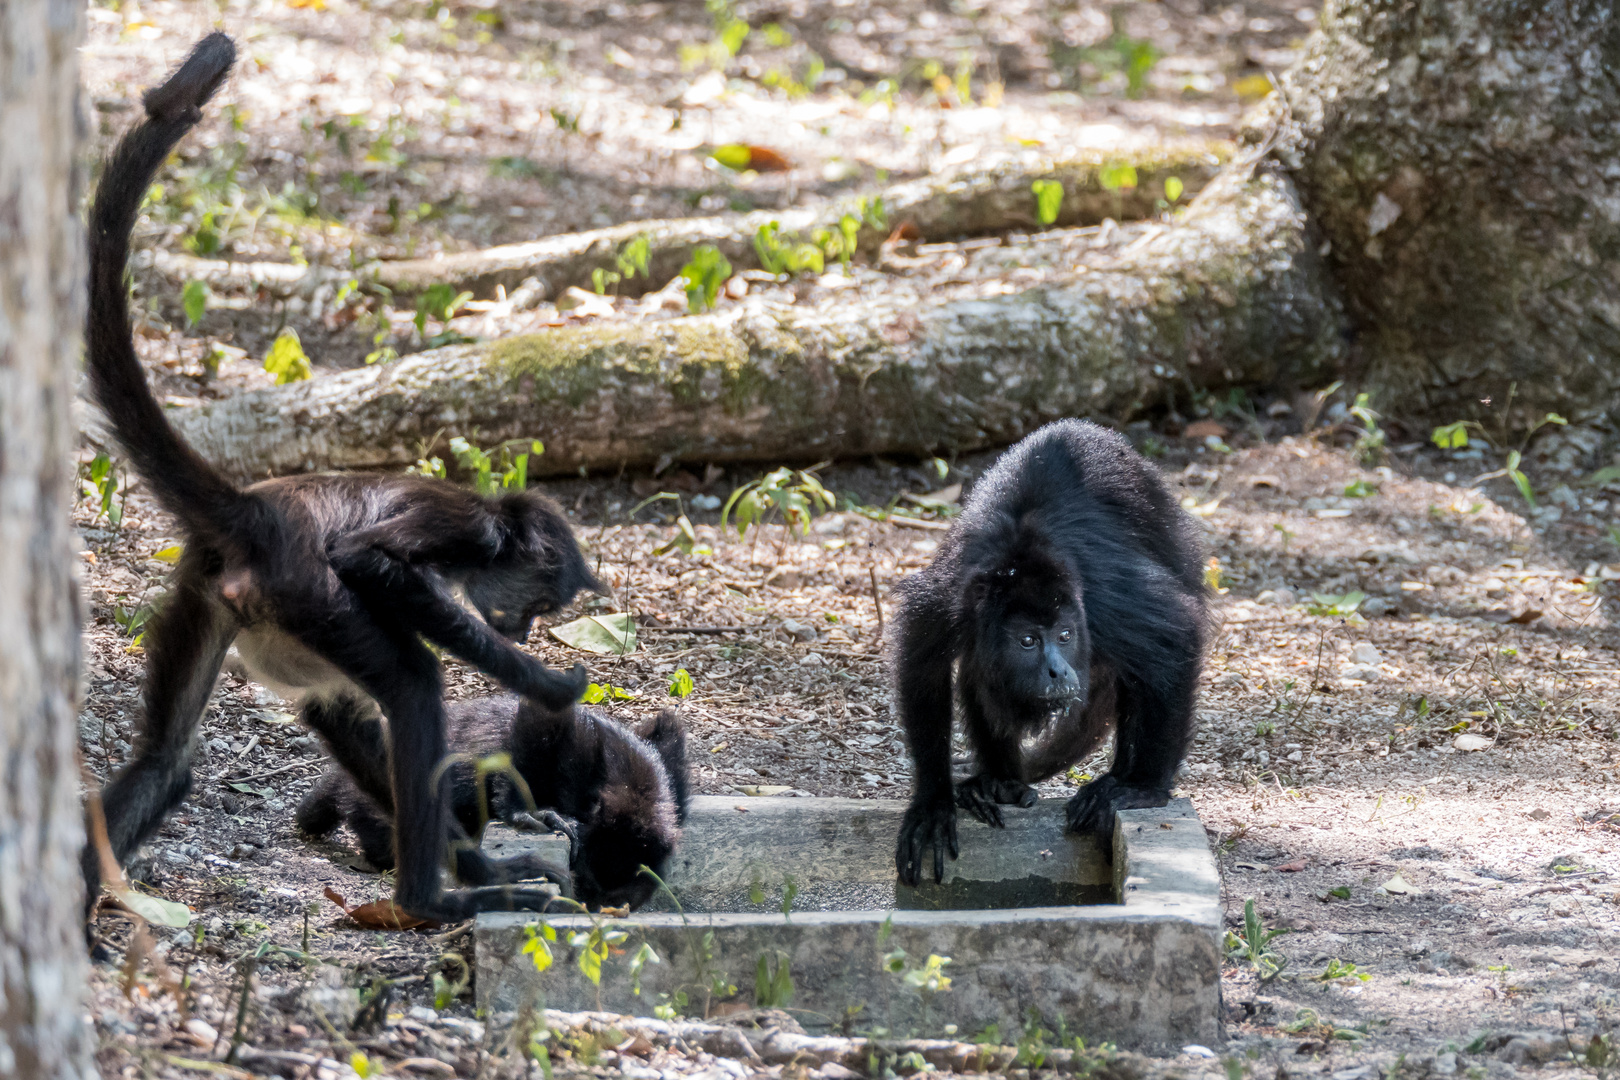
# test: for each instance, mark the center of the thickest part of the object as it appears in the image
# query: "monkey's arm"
(419, 598)
(922, 696)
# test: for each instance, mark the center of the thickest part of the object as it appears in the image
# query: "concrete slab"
(1030, 917)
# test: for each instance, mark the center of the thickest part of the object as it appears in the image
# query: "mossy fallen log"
(1230, 294)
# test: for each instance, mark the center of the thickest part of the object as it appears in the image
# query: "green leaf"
(535, 947)
(605, 635)
(705, 274)
(1606, 475)
(1048, 200)
(1116, 175)
(1342, 892)
(154, 909)
(680, 684)
(596, 693)
(170, 554)
(194, 298)
(1173, 187)
(1451, 436)
(286, 359)
(733, 156)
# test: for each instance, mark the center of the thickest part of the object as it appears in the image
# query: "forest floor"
(1476, 887)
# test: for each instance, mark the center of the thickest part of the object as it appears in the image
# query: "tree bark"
(41, 272)
(1461, 160)
(1230, 294)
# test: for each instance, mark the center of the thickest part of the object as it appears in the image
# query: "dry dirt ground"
(1475, 887)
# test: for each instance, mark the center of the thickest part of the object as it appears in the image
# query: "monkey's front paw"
(1093, 807)
(925, 825)
(984, 795)
(555, 690)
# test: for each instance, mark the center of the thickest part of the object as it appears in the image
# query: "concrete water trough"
(1030, 917)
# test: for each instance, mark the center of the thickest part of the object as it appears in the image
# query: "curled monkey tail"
(186, 484)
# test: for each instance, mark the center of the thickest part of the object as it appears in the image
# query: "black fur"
(1069, 596)
(623, 794)
(323, 581)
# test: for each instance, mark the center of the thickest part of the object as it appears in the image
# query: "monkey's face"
(1038, 660)
(608, 870)
(511, 598)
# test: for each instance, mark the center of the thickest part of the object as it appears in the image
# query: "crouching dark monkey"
(619, 795)
(325, 582)
(1069, 597)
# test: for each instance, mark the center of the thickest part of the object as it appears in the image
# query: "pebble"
(1364, 652)
(1362, 673)
(799, 631)
(422, 1014)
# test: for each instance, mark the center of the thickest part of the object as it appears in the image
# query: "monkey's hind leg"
(185, 645)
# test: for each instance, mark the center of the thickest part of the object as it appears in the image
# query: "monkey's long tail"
(186, 484)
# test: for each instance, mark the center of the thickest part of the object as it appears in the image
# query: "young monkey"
(325, 583)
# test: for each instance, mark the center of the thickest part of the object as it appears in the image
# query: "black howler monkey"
(323, 582)
(1069, 598)
(619, 795)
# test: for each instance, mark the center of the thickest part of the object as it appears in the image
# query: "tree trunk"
(41, 273)
(1463, 161)
(1231, 294)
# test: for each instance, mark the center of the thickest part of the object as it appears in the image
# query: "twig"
(698, 629)
(877, 600)
(267, 775)
(918, 523)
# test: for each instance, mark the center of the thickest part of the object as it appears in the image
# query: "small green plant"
(1360, 489)
(1173, 187)
(502, 467)
(446, 989)
(439, 302)
(1339, 969)
(1048, 200)
(100, 483)
(595, 946)
(596, 693)
(680, 684)
(794, 495)
(286, 359)
(1454, 436)
(1369, 448)
(786, 255)
(194, 299)
(1117, 176)
(638, 964)
(1253, 945)
(705, 274)
(685, 539)
(773, 984)
(1285, 533)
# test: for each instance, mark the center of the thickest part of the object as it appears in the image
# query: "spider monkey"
(324, 582)
(619, 795)
(1069, 595)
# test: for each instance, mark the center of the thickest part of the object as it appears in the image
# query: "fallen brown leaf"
(1292, 867)
(377, 915)
(764, 159)
(1203, 429)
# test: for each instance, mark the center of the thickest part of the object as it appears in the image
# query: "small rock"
(1194, 1050)
(830, 525)
(705, 502)
(1297, 755)
(422, 1014)
(1230, 679)
(1469, 741)
(813, 659)
(426, 1066)
(1445, 1064)
(1539, 814)
(799, 631)
(785, 578)
(471, 1030)
(1365, 652)
(1522, 1049)
(200, 1032)
(1358, 1072)
(1362, 673)
(1375, 607)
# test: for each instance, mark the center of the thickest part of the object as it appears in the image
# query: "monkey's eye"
(1065, 635)
(1027, 641)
